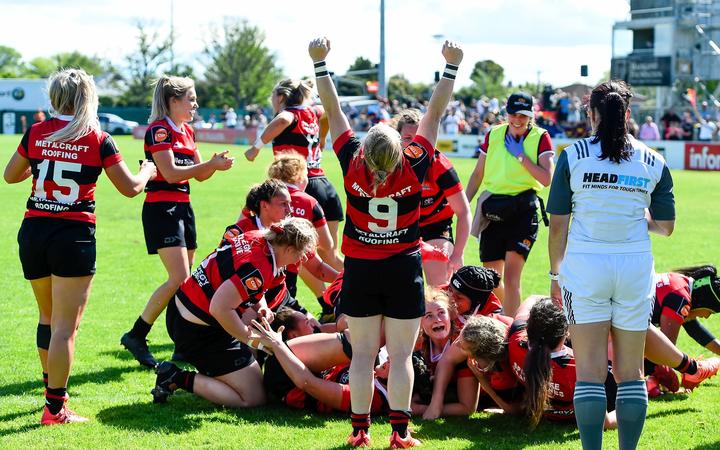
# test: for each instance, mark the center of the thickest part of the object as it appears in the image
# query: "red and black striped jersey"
(246, 260)
(383, 223)
(302, 136)
(441, 182)
(340, 374)
(673, 297)
(65, 173)
(164, 135)
(277, 292)
(563, 375)
(305, 206)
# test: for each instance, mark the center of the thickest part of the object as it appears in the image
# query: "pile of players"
(236, 318)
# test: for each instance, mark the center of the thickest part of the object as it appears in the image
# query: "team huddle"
(405, 327)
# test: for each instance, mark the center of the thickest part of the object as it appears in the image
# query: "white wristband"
(259, 143)
(554, 276)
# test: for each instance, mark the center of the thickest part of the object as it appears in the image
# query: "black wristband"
(321, 69)
(450, 71)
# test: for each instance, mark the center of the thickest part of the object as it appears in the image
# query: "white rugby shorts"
(618, 288)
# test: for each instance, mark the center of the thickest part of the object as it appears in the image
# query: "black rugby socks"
(399, 421)
(55, 399)
(688, 365)
(141, 328)
(360, 422)
(45, 378)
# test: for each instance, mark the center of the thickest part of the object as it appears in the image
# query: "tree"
(242, 69)
(488, 78)
(400, 88)
(43, 67)
(10, 62)
(143, 66)
(363, 64)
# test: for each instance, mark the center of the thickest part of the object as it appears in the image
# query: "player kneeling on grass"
(681, 297)
(205, 317)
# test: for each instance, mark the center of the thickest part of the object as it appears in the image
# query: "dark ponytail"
(610, 102)
(546, 329)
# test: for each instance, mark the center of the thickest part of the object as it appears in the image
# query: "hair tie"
(277, 229)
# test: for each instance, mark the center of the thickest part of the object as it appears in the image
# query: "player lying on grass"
(205, 319)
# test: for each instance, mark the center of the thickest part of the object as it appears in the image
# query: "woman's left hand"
(556, 293)
(267, 336)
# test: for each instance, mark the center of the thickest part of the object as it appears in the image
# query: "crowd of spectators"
(562, 114)
(559, 112)
(255, 117)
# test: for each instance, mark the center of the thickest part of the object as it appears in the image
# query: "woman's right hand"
(452, 52)
(251, 153)
(432, 412)
(319, 49)
(221, 161)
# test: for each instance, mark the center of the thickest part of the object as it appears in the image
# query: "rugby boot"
(653, 387)
(408, 441)
(362, 439)
(65, 415)
(667, 378)
(139, 349)
(706, 368)
(165, 383)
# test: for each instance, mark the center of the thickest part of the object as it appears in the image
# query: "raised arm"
(338, 123)
(430, 123)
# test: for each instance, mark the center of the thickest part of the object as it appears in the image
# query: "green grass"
(110, 388)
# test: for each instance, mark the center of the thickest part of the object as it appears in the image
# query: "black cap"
(520, 103)
(475, 282)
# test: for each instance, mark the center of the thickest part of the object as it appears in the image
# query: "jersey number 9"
(385, 209)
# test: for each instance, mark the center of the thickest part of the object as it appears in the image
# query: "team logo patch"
(413, 151)
(160, 135)
(253, 283)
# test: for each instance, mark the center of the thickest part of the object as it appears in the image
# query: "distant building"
(665, 40)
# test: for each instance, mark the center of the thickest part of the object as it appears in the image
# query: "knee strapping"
(42, 337)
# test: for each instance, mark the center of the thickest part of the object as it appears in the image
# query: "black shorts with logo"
(210, 349)
(168, 224)
(391, 287)
(517, 235)
(439, 230)
(61, 247)
(324, 192)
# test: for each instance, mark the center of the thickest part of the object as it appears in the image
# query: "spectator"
(649, 130)
(230, 118)
(39, 116)
(708, 128)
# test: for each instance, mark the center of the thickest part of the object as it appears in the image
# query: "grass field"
(113, 390)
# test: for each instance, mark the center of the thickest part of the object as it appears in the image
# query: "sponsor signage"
(643, 70)
(702, 156)
(23, 95)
